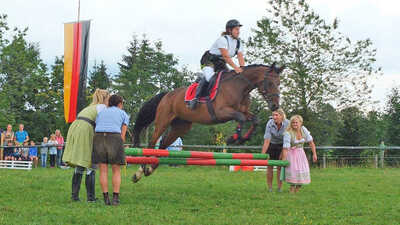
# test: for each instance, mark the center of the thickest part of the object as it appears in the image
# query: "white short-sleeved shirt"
(229, 44)
(273, 133)
(287, 138)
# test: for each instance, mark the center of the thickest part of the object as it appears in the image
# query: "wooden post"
(324, 160)
(376, 160)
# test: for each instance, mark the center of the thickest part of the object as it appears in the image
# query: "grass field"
(205, 195)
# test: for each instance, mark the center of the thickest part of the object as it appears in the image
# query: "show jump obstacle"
(159, 156)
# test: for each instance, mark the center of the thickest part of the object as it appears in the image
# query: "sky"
(187, 27)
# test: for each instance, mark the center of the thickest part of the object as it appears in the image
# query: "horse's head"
(269, 86)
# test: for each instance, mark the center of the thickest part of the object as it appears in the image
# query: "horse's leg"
(160, 126)
(178, 129)
(227, 114)
(254, 122)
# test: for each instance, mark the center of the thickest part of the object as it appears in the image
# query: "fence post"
(324, 160)
(382, 153)
(376, 160)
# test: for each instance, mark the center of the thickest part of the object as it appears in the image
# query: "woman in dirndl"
(298, 171)
(79, 146)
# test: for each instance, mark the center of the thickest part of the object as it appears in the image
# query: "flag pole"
(79, 9)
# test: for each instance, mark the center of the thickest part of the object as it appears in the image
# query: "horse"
(168, 109)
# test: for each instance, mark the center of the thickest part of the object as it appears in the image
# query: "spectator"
(21, 136)
(60, 141)
(1, 144)
(33, 153)
(176, 146)
(108, 145)
(7, 139)
(9, 151)
(44, 149)
(79, 146)
(25, 152)
(53, 150)
(17, 155)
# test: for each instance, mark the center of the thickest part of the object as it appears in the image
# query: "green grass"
(205, 195)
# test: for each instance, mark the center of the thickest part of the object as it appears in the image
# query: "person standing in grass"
(21, 135)
(33, 153)
(53, 150)
(108, 148)
(79, 146)
(298, 171)
(273, 144)
(44, 149)
(60, 141)
(7, 139)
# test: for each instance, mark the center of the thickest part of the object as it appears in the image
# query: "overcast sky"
(187, 27)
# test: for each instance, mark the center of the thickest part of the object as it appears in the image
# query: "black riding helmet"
(232, 24)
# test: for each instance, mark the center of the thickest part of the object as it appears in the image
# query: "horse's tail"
(146, 116)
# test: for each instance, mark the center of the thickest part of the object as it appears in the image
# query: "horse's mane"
(256, 65)
(229, 73)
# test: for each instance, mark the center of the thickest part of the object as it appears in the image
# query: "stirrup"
(193, 103)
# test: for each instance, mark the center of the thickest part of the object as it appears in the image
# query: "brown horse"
(231, 103)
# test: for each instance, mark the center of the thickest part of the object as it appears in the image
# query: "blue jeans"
(59, 157)
(43, 159)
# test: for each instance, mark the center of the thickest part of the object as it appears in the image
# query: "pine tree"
(99, 77)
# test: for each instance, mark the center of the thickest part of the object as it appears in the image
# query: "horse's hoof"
(148, 171)
(230, 140)
(135, 178)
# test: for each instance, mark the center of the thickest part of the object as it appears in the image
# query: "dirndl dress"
(298, 171)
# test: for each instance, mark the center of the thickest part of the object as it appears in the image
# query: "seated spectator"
(33, 150)
(9, 151)
(44, 149)
(53, 150)
(21, 136)
(17, 153)
(25, 152)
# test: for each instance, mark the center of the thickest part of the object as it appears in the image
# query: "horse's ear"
(280, 69)
(273, 65)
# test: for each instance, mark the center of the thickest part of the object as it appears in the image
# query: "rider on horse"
(220, 53)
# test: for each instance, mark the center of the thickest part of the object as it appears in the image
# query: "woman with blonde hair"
(298, 171)
(273, 144)
(79, 147)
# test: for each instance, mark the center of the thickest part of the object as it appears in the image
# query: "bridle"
(265, 84)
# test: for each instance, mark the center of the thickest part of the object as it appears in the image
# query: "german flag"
(76, 47)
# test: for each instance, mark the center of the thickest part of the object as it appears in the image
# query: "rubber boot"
(90, 186)
(76, 186)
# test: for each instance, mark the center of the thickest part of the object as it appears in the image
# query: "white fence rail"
(17, 165)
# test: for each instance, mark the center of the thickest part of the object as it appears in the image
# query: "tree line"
(325, 80)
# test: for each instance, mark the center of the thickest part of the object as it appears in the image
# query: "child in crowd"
(17, 155)
(53, 150)
(33, 153)
(25, 152)
(43, 152)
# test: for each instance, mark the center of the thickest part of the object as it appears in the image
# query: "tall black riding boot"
(90, 186)
(202, 84)
(76, 185)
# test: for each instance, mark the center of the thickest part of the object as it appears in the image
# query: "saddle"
(208, 94)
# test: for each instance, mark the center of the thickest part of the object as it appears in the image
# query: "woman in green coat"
(79, 146)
